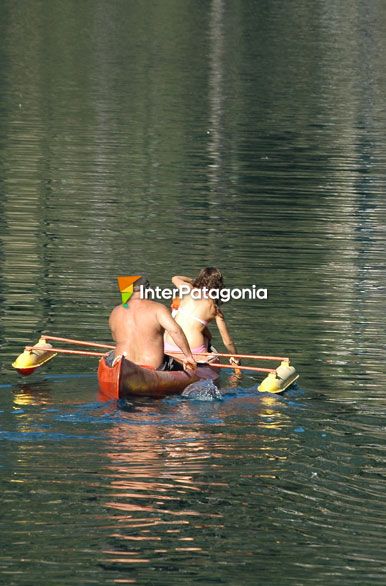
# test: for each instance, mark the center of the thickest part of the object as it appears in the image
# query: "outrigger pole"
(110, 347)
(35, 356)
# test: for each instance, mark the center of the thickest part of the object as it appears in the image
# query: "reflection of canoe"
(127, 379)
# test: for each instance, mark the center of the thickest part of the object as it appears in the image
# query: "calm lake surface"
(164, 137)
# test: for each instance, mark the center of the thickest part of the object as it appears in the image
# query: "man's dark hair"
(144, 281)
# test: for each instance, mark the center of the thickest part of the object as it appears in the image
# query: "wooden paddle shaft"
(80, 342)
(66, 351)
(236, 367)
(252, 356)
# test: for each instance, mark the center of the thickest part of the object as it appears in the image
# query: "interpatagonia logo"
(126, 287)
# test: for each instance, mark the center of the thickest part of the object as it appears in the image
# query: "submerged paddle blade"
(278, 381)
(27, 362)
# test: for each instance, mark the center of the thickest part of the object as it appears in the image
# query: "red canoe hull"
(126, 379)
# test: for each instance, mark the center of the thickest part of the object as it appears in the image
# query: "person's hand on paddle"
(189, 363)
(237, 372)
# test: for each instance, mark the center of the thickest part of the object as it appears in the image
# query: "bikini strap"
(202, 321)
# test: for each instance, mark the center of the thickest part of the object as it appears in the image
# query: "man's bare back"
(138, 331)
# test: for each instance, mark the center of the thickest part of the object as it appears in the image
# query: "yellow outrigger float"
(27, 362)
(280, 379)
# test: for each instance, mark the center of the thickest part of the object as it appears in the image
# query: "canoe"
(127, 379)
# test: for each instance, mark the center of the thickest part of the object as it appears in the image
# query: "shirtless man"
(138, 331)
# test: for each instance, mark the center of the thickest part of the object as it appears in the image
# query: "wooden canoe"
(126, 379)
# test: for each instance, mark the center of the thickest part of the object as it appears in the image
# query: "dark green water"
(163, 137)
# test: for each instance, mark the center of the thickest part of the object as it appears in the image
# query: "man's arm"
(176, 333)
(112, 321)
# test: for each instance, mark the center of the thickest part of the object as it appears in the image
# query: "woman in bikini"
(196, 311)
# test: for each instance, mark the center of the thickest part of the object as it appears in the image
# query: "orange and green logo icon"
(126, 287)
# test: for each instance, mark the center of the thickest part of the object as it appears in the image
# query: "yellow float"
(280, 379)
(31, 359)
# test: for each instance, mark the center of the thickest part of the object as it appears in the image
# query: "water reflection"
(35, 394)
(152, 478)
(216, 97)
(162, 481)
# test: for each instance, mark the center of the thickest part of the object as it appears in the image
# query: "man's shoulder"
(116, 310)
